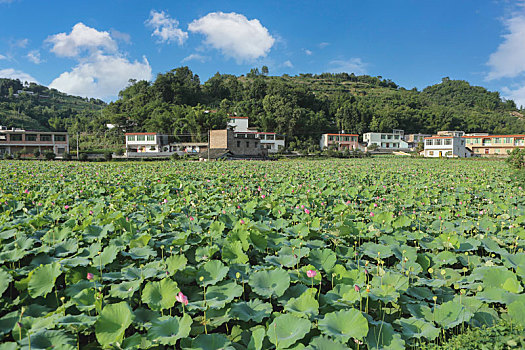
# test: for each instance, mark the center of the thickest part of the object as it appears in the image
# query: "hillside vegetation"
(301, 107)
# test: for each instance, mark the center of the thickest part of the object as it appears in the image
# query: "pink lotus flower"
(311, 273)
(181, 298)
(356, 288)
(26, 191)
(242, 222)
(66, 207)
(191, 218)
(307, 211)
(90, 276)
(91, 212)
(372, 214)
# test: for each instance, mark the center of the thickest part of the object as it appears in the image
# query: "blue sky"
(92, 48)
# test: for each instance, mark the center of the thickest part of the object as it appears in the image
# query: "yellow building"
(494, 145)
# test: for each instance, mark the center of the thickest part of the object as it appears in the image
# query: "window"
(330, 138)
(428, 142)
(150, 137)
(437, 142)
(45, 137)
(153, 148)
(390, 137)
(16, 137)
(238, 143)
(247, 144)
(448, 142)
(270, 137)
(383, 137)
(141, 137)
(60, 137)
(337, 138)
(3, 137)
(396, 137)
(496, 140)
(61, 150)
(430, 153)
(30, 137)
(131, 137)
(346, 138)
(508, 139)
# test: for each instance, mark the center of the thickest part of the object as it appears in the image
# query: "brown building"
(494, 145)
(237, 145)
(13, 141)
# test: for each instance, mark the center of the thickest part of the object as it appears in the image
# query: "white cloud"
(234, 35)
(102, 76)
(125, 37)
(195, 57)
(2, 57)
(102, 70)
(323, 45)
(517, 95)
(34, 56)
(308, 52)
(166, 28)
(354, 65)
(81, 38)
(509, 59)
(11, 73)
(288, 64)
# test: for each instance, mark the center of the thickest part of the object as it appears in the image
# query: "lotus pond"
(333, 254)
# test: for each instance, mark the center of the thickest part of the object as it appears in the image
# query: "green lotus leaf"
(66, 248)
(160, 295)
(77, 321)
(5, 279)
(8, 322)
(43, 279)
(112, 323)
(345, 324)
(124, 290)
(374, 250)
(233, 253)
(211, 342)
(325, 343)
(106, 256)
(141, 253)
(176, 263)
(257, 336)
(270, 283)
(253, 310)
(211, 272)
(517, 312)
(287, 329)
(324, 259)
(383, 336)
(9, 346)
(417, 328)
(497, 277)
(387, 287)
(167, 330)
(516, 261)
(304, 306)
(218, 296)
(47, 339)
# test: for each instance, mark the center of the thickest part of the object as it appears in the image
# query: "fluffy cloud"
(353, 65)
(195, 57)
(2, 57)
(166, 28)
(288, 64)
(102, 76)
(34, 56)
(509, 59)
(102, 70)
(234, 35)
(81, 38)
(11, 73)
(308, 52)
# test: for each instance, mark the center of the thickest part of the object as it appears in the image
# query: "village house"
(146, 142)
(414, 140)
(339, 141)
(228, 144)
(271, 141)
(494, 145)
(386, 141)
(446, 146)
(18, 141)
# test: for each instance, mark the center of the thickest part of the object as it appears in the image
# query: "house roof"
(342, 134)
(141, 133)
(239, 118)
(491, 136)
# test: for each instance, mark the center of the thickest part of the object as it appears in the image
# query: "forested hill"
(36, 107)
(304, 106)
(301, 107)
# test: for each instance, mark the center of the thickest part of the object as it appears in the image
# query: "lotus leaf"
(345, 324)
(112, 323)
(211, 272)
(270, 283)
(253, 310)
(287, 329)
(167, 330)
(43, 279)
(160, 295)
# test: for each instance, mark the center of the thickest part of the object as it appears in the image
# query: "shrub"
(36, 153)
(108, 156)
(67, 156)
(120, 152)
(50, 155)
(83, 157)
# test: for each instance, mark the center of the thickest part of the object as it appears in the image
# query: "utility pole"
(209, 134)
(78, 135)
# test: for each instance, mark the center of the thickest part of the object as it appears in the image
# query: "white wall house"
(339, 141)
(146, 142)
(386, 140)
(238, 124)
(446, 146)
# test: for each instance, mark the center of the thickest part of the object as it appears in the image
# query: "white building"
(446, 146)
(271, 141)
(146, 142)
(386, 140)
(339, 141)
